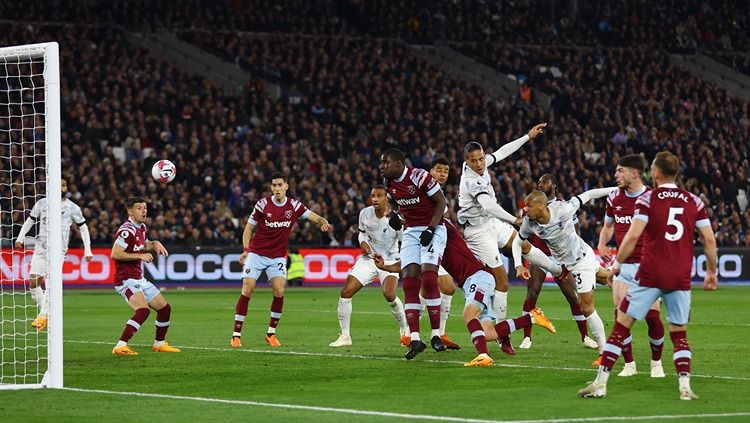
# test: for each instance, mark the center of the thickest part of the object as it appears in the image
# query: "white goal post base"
(22, 103)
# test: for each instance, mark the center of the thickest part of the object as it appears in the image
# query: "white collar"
(281, 203)
(635, 194)
(403, 174)
(668, 185)
(137, 225)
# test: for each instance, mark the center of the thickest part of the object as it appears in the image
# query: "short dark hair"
(552, 178)
(442, 160)
(133, 201)
(472, 146)
(395, 154)
(380, 186)
(668, 163)
(278, 175)
(632, 161)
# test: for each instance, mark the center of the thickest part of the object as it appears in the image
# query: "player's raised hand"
(537, 129)
(19, 244)
(159, 248)
(243, 258)
(379, 262)
(89, 255)
(523, 273)
(147, 257)
(325, 226)
(710, 282)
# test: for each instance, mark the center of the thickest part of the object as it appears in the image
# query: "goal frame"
(53, 377)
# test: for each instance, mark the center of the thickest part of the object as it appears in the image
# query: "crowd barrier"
(219, 265)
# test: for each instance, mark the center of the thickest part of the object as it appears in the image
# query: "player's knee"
(587, 307)
(389, 296)
(470, 313)
(347, 291)
(447, 288)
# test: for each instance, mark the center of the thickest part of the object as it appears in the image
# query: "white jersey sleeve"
(77, 215)
(525, 230)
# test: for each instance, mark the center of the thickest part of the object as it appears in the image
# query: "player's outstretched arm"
(86, 238)
(320, 221)
(712, 257)
(604, 236)
(595, 193)
(516, 248)
(380, 264)
(27, 224)
(496, 210)
(157, 247)
(513, 146)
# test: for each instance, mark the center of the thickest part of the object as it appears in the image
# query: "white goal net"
(30, 357)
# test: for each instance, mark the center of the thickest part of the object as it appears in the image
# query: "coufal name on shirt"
(285, 224)
(672, 194)
(407, 201)
(623, 219)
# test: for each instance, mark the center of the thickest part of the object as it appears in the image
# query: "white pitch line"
(401, 415)
(553, 317)
(381, 358)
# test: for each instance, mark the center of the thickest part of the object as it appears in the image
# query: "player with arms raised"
(666, 217)
(376, 237)
(620, 208)
(131, 248)
(71, 213)
(265, 251)
(487, 225)
(553, 223)
(548, 185)
(418, 197)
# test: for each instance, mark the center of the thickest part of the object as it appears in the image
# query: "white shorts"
(479, 289)
(627, 274)
(677, 302)
(442, 272)
(365, 271)
(255, 265)
(39, 265)
(412, 250)
(486, 240)
(131, 286)
(584, 273)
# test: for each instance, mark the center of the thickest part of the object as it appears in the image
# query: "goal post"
(30, 161)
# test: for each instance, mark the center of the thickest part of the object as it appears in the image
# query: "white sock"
(445, 311)
(602, 376)
(597, 329)
(434, 333)
(415, 336)
(684, 382)
(44, 309)
(345, 315)
(158, 343)
(37, 294)
(537, 257)
(271, 330)
(397, 310)
(500, 305)
(121, 344)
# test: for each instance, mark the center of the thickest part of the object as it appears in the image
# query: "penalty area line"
(382, 358)
(398, 415)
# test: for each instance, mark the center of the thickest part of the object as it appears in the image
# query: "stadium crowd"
(359, 96)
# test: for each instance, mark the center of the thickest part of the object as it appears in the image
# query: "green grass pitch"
(371, 376)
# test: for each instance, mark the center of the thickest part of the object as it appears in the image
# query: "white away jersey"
(559, 233)
(473, 185)
(379, 234)
(70, 213)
